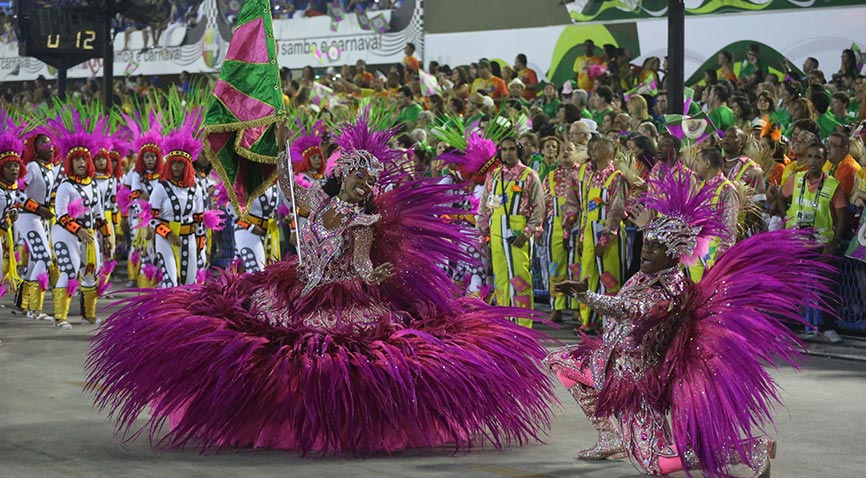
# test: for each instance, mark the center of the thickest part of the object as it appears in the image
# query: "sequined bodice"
(330, 255)
(639, 322)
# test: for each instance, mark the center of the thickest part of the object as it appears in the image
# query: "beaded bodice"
(639, 322)
(338, 254)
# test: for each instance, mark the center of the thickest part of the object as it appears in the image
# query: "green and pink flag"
(690, 129)
(247, 101)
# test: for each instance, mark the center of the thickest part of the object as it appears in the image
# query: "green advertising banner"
(604, 11)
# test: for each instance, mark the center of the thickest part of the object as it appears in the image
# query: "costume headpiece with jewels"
(304, 147)
(183, 145)
(362, 147)
(11, 146)
(146, 137)
(687, 218)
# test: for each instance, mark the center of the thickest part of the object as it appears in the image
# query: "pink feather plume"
(76, 208)
(214, 219)
(124, 199)
(72, 287)
(42, 280)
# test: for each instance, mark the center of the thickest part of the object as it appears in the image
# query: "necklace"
(346, 209)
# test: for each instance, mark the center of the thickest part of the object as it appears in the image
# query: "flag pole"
(291, 173)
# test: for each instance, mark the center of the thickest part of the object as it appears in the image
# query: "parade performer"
(11, 200)
(106, 183)
(510, 214)
(674, 348)
(257, 232)
(708, 169)
(597, 205)
(79, 216)
(468, 168)
(362, 347)
(177, 212)
(33, 222)
(142, 179)
(562, 256)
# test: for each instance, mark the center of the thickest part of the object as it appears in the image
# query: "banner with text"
(199, 44)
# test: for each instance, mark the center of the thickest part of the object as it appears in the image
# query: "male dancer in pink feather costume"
(695, 352)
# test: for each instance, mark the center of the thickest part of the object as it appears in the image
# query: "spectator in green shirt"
(580, 99)
(753, 70)
(720, 114)
(601, 100)
(548, 102)
(839, 107)
(826, 123)
(409, 109)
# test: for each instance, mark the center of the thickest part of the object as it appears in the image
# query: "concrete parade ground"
(48, 427)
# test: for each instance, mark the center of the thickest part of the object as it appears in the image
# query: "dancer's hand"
(381, 273)
(84, 235)
(44, 212)
(173, 239)
(571, 287)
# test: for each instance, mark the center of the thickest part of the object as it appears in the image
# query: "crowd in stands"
(766, 127)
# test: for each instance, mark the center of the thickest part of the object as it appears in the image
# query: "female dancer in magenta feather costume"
(695, 352)
(365, 347)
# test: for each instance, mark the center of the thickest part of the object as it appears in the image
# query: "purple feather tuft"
(150, 271)
(124, 199)
(214, 219)
(42, 280)
(76, 208)
(72, 287)
(135, 257)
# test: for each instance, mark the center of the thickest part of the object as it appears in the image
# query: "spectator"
(409, 61)
(582, 65)
(580, 99)
(549, 102)
(527, 76)
(489, 84)
(409, 109)
(726, 66)
(843, 167)
(720, 114)
(603, 99)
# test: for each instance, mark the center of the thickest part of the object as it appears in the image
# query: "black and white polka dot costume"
(254, 250)
(141, 185)
(11, 199)
(179, 209)
(32, 229)
(69, 250)
(107, 185)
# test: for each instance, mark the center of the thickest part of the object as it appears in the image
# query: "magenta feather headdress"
(303, 148)
(10, 141)
(476, 161)
(363, 146)
(687, 218)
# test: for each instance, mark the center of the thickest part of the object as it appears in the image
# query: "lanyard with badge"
(806, 219)
(501, 200)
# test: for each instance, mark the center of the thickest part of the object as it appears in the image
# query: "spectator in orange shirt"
(581, 65)
(527, 76)
(409, 61)
(363, 78)
(844, 167)
(493, 86)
